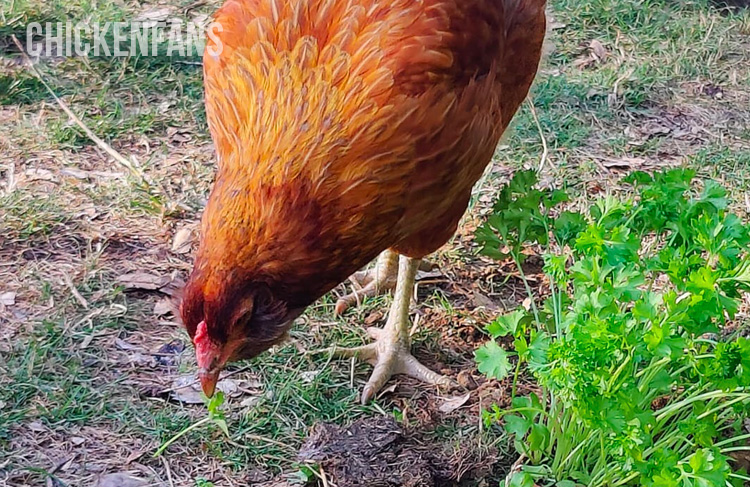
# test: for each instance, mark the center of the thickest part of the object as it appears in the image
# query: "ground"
(90, 251)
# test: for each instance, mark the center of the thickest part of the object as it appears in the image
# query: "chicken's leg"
(378, 280)
(390, 354)
(373, 282)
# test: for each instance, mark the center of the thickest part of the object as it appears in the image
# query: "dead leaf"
(86, 341)
(655, 128)
(373, 317)
(276, 483)
(8, 298)
(90, 212)
(120, 480)
(229, 387)
(123, 345)
(187, 389)
(163, 307)
(143, 280)
(388, 390)
(142, 360)
(598, 50)
(75, 173)
(635, 136)
(174, 287)
(251, 401)
(480, 300)
(639, 135)
(39, 175)
(452, 403)
(77, 440)
(251, 386)
(466, 380)
(108, 175)
(554, 25)
(423, 275)
(179, 136)
(155, 14)
(36, 427)
(624, 163)
(583, 62)
(201, 19)
(183, 240)
(257, 475)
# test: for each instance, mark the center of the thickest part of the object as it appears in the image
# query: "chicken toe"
(378, 280)
(390, 353)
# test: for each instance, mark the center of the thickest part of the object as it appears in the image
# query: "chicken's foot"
(390, 353)
(376, 281)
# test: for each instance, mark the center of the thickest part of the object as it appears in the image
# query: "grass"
(660, 57)
(672, 89)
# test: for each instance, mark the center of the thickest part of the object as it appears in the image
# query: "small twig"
(415, 325)
(81, 300)
(481, 424)
(322, 476)
(194, 5)
(545, 151)
(616, 86)
(60, 465)
(515, 468)
(356, 289)
(709, 31)
(89, 133)
(168, 470)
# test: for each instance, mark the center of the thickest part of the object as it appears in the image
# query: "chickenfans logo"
(173, 38)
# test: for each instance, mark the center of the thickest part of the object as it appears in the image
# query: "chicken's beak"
(208, 356)
(209, 378)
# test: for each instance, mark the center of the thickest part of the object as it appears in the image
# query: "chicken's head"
(228, 325)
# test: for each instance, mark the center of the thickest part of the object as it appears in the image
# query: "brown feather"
(343, 128)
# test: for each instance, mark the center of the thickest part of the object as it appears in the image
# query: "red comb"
(205, 349)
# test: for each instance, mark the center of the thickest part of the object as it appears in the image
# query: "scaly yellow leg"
(390, 353)
(378, 280)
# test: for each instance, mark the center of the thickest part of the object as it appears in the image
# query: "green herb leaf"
(507, 324)
(521, 479)
(493, 360)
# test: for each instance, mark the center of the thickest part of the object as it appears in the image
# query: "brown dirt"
(733, 4)
(377, 452)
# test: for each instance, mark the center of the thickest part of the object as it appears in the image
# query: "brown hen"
(344, 128)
